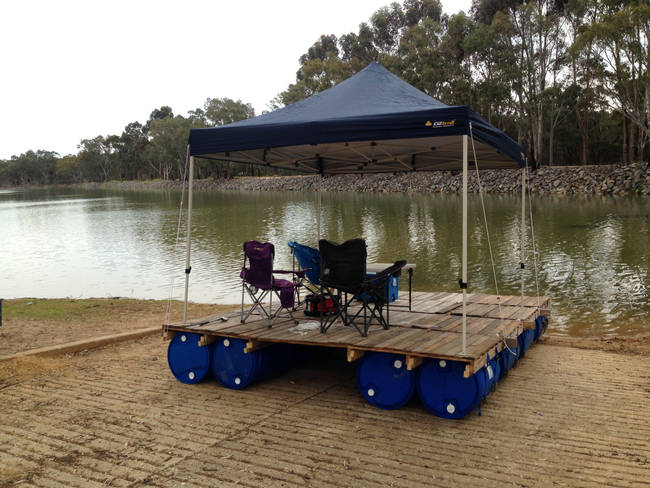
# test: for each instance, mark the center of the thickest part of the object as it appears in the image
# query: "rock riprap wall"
(605, 180)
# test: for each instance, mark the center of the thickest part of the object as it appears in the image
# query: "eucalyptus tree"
(133, 145)
(496, 82)
(68, 170)
(419, 59)
(31, 168)
(215, 112)
(537, 33)
(316, 75)
(457, 87)
(95, 159)
(387, 24)
(618, 33)
(222, 111)
(166, 151)
(585, 69)
(358, 49)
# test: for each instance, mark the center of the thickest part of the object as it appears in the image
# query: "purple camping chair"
(258, 281)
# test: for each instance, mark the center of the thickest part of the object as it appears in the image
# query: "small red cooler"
(315, 305)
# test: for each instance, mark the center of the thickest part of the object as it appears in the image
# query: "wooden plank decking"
(432, 328)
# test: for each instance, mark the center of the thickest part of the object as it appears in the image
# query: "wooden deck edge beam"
(512, 342)
(206, 340)
(545, 311)
(254, 345)
(474, 366)
(528, 324)
(354, 354)
(413, 362)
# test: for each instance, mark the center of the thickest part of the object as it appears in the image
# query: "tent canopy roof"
(372, 122)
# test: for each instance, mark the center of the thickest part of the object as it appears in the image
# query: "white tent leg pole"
(319, 204)
(188, 268)
(523, 232)
(464, 266)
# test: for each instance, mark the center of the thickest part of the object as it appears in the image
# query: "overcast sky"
(72, 70)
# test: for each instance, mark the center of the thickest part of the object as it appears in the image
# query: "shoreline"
(630, 179)
(31, 323)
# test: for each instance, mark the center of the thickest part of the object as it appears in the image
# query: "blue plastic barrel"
(237, 369)
(525, 340)
(540, 326)
(188, 361)
(444, 390)
(508, 358)
(384, 380)
(499, 370)
(492, 372)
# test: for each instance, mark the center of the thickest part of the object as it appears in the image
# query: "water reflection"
(592, 252)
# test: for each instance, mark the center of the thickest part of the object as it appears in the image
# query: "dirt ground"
(630, 344)
(574, 412)
(116, 417)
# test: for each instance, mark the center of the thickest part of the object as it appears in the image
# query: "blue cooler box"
(392, 288)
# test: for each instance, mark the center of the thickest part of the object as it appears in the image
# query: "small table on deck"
(377, 267)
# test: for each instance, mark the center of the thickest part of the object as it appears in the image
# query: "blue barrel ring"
(444, 390)
(188, 362)
(236, 369)
(384, 380)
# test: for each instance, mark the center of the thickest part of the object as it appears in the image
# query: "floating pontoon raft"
(451, 347)
(432, 329)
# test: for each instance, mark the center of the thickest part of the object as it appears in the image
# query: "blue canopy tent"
(373, 122)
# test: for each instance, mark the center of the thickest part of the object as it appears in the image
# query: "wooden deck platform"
(431, 329)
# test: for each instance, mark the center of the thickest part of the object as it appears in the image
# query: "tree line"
(153, 150)
(568, 79)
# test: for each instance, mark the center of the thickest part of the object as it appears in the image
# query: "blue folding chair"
(308, 260)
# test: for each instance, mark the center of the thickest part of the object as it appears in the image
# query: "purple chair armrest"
(300, 274)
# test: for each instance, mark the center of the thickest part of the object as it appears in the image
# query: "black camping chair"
(343, 278)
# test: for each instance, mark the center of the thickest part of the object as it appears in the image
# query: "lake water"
(593, 252)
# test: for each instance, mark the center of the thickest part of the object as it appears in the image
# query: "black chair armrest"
(393, 270)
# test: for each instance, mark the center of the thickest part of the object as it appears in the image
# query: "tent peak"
(372, 91)
(371, 105)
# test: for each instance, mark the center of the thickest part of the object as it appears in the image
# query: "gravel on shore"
(627, 179)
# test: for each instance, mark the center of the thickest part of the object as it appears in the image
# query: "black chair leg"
(387, 315)
(321, 301)
(326, 320)
(366, 326)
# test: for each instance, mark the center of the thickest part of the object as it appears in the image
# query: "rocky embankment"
(603, 180)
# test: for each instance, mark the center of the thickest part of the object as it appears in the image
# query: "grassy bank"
(96, 310)
(30, 323)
